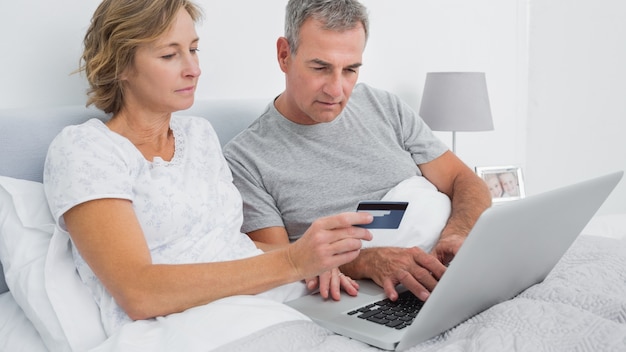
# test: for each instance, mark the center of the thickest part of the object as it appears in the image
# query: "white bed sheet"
(18, 334)
(16, 331)
(607, 225)
(581, 306)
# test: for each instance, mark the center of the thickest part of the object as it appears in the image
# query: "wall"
(577, 94)
(407, 40)
(40, 49)
(41, 46)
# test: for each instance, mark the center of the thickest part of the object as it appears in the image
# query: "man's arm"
(276, 235)
(417, 270)
(469, 196)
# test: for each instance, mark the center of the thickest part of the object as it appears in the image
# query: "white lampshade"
(456, 101)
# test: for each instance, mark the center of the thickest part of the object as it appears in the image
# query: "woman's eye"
(169, 56)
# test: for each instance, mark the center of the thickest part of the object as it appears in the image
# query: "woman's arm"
(108, 236)
(329, 283)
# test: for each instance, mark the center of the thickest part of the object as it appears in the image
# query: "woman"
(147, 197)
(494, 185)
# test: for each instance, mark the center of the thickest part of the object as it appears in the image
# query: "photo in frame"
(505, 183)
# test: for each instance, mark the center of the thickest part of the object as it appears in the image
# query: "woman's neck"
(150, 133)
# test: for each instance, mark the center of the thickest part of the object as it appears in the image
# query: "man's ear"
(283, 53)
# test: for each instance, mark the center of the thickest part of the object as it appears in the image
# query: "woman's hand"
(327, 244)
(331, 283)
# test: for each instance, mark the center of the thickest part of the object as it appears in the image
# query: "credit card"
(387, 215)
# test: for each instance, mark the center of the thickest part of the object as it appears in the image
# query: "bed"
(580, 306)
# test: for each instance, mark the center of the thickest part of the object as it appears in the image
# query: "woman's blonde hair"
(117, 28)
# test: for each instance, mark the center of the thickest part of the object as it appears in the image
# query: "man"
(326, 143)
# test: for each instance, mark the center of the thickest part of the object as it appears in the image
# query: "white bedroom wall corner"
(577, 82)
(521, 128)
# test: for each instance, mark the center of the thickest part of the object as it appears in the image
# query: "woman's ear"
(283, 53)
(127, 72)
(123, 75)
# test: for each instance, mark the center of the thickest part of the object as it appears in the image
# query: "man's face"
(321, 75)
(509, 184)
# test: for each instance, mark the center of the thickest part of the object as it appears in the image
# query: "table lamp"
(456, 101)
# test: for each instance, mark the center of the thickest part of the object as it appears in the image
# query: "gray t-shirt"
(291, 174)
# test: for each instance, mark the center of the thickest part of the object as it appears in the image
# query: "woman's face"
(165, 73)
(494, 187)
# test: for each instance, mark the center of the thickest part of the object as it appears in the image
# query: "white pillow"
(26, 227)
(607, 225)
(425, 216)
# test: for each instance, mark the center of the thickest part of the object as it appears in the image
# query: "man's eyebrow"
(320, 62)
(324, 63)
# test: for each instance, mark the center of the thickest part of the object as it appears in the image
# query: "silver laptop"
(512, 247)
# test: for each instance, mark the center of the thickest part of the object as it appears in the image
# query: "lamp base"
(454, 142)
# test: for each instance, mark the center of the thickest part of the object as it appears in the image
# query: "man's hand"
(331, 283)
(447, 247)
(417, 270)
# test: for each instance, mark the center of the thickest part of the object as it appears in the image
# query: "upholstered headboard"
(25, 134)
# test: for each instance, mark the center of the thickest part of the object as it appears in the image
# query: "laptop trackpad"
(369, 287)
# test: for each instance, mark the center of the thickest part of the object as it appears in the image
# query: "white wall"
(407, 40)
(577, 94)
(41, 45)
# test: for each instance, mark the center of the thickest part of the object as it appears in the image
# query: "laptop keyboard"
(397, 315)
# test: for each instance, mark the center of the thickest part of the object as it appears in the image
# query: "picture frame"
(506, 183)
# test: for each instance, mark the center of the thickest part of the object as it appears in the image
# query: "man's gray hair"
(336, 15)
